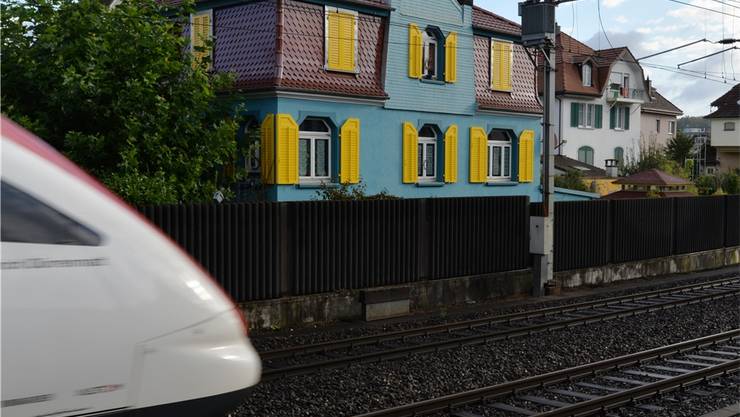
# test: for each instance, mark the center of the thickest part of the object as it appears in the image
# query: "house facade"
(659, 118)
(726, 129)
(416, 98)
(599, 97)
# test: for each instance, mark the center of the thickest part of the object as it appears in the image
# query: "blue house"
(418, 98)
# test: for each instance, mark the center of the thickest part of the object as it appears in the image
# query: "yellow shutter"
(340, 40)
(451, 154)
(200, 32)
(415, 51)
(349, 172)
(526, 156)
(451, 58)
(478, 154)
(287, 149)
(267, 149)
(410, 144)
(501, 61)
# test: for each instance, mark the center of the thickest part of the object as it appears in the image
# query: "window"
(586, 155)
(657, 125)
(729, 126)
(314, 146)
(430, 56)
(626, 85)
(501, 59)
(340, 38)
(499, 155)
(27, 220)
(620, 118)
(619, 155)
(427, 154)
(586, 75)
(201, 32)
(671, 127)
(586, 115)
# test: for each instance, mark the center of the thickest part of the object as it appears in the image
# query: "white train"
(101, 313)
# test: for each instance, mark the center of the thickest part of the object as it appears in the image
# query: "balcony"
(620, 94)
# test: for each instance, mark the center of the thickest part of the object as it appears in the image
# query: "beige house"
(659, 118)
(726, 129)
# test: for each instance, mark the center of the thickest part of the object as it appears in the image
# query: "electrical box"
(538, 22)
(536, 232)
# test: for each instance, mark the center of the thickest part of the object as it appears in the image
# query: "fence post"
(285, 219)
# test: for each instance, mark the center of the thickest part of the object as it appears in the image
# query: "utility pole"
(539, 32)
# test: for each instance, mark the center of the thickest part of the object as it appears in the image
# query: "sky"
(650, 26)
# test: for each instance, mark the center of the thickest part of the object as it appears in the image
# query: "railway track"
(592, 388)
(391, 345)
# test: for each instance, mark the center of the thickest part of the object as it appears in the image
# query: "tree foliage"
(572, 180)
(650, 156)
(679, 148)
(349, 192)
(115, 90)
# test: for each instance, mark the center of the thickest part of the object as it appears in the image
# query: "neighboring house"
(658, 120)
(651, 183)
(599, 94)
(726, 129)
(596, 179)
(418, 98)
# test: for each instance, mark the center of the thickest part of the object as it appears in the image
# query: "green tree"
(679, 148)
(115, 91)
(707, 184)
(653, 157)
(572, 180)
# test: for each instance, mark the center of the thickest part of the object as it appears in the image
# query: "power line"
(704, 8)
(598, 7)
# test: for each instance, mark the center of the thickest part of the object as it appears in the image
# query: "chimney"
(612, 168)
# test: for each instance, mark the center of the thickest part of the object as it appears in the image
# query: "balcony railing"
(619, 93)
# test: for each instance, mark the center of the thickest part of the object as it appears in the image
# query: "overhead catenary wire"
(702, 7)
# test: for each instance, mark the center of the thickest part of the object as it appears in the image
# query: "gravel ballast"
(365, 387)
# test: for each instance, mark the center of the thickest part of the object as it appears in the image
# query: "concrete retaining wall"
(429, 295)
(676, 264)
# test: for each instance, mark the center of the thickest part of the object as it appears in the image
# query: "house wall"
(648, 132)
(604, 140)
(426, 95)
(381, 147)
(720, 137)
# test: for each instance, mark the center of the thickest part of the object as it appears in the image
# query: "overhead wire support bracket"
(672, 49)
(707, 56)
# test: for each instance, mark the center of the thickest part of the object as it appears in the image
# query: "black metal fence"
(268, 250)
(595, 233)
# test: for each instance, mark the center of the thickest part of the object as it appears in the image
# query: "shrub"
(572, 180)
(707, 184)
(351, 192)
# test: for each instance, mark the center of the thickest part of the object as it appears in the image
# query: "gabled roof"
(483, 19)
(661, 105)
(728, 105)
(564, 163)
(652, 177)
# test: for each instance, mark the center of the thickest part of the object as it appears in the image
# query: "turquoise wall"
(424, 95)
(381, 146)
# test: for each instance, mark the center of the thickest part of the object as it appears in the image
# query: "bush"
(707, 184)
(351, 192)
(730, 183)
(572, 180)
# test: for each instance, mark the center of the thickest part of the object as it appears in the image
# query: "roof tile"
(728, 105)
(660, 104)
(483, 19)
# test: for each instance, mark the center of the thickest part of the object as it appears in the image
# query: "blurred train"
(101, 313)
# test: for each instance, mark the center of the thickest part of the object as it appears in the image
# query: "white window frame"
(586, 116)
(503, 145)
(425, 176)
(428, 40)
(622, 112)
(671, 127)
(730, 124)
(586, 74)
(330, 9)
(312, 137)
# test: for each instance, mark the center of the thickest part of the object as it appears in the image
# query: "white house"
(599, 95)
(726, 129)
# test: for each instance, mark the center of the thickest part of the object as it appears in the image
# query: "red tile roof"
(728, 105)
(652, 177)
(660, 104)
(483, 19)
(522, 98)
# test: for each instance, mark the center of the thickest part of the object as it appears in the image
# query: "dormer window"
(586, 74)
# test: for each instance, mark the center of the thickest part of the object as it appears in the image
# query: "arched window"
(314, 150)
(619, 155)
(586, 155)
(586, 74)
(499, 154)
(427, 153)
